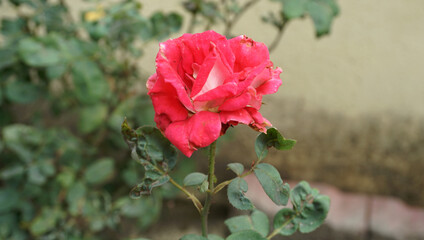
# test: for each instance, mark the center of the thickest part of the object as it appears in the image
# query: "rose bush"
(205, 83)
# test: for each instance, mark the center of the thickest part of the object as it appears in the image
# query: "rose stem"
(211, 178)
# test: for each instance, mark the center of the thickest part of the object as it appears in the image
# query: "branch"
(229, 24)
(278, 37)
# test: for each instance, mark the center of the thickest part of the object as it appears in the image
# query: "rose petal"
(170, 106)
(206, 128)
(212, 74)
(241, 116)
(196, 46)
(271, 86)
(151, 81)
(223, 91)
(248, 53)
(169, 75)
(260, 123)
(236, 103)
(200, 130)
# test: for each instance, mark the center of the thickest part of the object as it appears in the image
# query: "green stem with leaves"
(211, 178)
(277, 230)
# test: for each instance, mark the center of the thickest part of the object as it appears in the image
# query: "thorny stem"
(211, 178)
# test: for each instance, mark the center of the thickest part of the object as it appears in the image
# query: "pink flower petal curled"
(236, 103)
(202, 129)
(248, 53)
(241, 116)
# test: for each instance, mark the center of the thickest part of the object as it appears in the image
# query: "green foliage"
(152, 150)
(246, 234)
(272, 138)
(322, 13)
(237, 168)
(309, 211)
(235, 192)
(214, 237)
(195, 179)
(257, 222)
(271, 182)
(66, 86)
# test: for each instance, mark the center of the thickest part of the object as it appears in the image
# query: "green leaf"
(299, 194)
(246, 235)
(36, 54)
(56, 71)
(312, 206)
(193, 237)
(147, 185)
(75, 197)
(12, 171)
(66, 178)
(272, 138)
(258, 222)
(237, 168)
(99, 171)
(13, 29)
(45, 222)
(294, 8)
(284, 222)
(239, 223)
(175, 22)
(7, 57)
(163, 25)
(145, 210)
(90, 84)
(92, 117)
(214, 237)
(22, 140)
(235, 192)
(159, 150)
(322, 12)
(195, 179)
(271, 182)
(9, 199)
(314, 214)
(322, 15)
(36, 176)
(21, 92)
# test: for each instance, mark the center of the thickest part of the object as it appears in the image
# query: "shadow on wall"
(380, 154)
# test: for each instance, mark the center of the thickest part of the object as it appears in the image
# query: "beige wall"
(373, 61)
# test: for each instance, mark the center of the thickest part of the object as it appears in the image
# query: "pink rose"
(205, 83)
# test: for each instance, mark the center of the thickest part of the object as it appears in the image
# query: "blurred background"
(70, 71)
